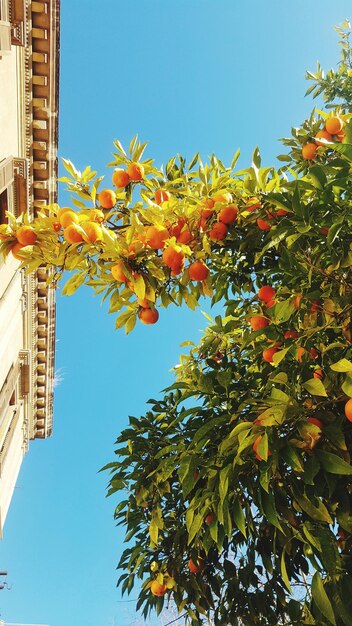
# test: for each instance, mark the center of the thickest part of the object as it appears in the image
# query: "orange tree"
(238, 504)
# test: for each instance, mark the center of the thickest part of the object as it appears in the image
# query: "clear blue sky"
(187, 75)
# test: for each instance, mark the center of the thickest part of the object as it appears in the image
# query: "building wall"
(28, 131)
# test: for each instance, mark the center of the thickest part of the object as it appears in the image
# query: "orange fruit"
(196, 568)
(173, 258)
(62, 211)
(228, 214)
(223, 197)
(268, 355)
(209, 518)
(253, 204)
(348, 410)
(318, 374)
(158, 589)
(334, 125)
(324, 230)
(148, 316)
(322, 134)
(218, 231)
(206, 213)
(72, 234)
(161, 195)
(120, 178)
(96, 215)
(266, 293)
(118, 273)
(258, 321)
(209, 203)
(340, 137)
(135, 171)
(144, 303)
(270, 303)
(93, 232)
(255, 448)
(156, 236)
(56, 226)
(300, 353)
(309, 151)
(26, 235)
(263, 224)
(16, 251)
(297, 300)
(185, 235)
(281, 212)
(290, 334)
(107, 198)
(315, 306)
(177, 270)
(68, 217)
(198, 271)
(315, 421)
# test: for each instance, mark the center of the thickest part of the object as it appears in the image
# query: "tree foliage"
(238, 481)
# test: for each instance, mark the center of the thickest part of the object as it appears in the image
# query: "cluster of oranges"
(333, 131)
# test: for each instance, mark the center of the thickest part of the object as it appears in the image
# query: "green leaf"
(73, 284)
(315, 387)
(263, 447)
(282, 313)
(347, 385)
(321, 599)
(224, 482)
(284, 572)
(333, 464)
(342, 366)
(269, 509)
(239, 518)
(318, 513)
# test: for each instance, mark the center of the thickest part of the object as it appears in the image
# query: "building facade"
(29, 70)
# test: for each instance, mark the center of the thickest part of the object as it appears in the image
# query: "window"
(6, 188)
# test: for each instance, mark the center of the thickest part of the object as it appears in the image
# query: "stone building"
(29, 71)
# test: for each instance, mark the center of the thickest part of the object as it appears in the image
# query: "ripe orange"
(270, 303)
(120, 178)
(158, 589)
(324, 230)
(196, 568)
(118, 273)
(268, 355)
(144, 303)
(205, 214)
(322, 134)
(334, 125)
(290, 334)
(348, 410)
(318, 374)
(173, 258)
(16, 251)
(96, 215)
(309, 151)
(175, 229)
(185, 235)
(263, 224)
(218, 231)
(72, 234)
(93, 232)
(313, 353)
(315, 306)
(266, 293)
(255, 447)
(223, 197)
(253, 204)
(148, 316)
(107, 198)
(26, 235)
(299, 354)
(135, 171)
(209, 203)
(281, 212)
(62, 211)
(315, 421)
(228, 214)
(209, 518)
(177, 270)
(340, 137)
(258, 321)
(68, 217)
(156, 236)
(161, 195)
(297, 300)
(198, 271)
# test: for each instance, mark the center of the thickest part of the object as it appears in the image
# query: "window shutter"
(5, 38)
(6, 173)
